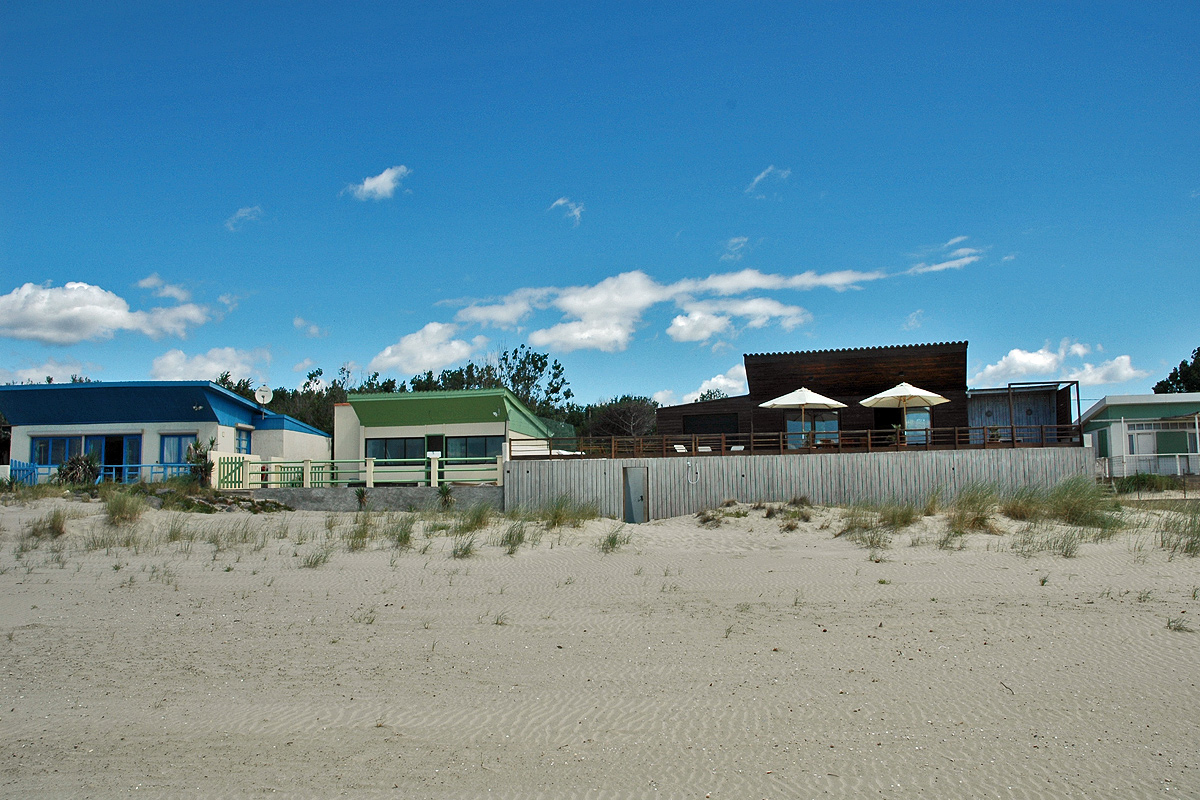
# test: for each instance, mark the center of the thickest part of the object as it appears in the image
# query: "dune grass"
(1180, 534)
(614, 540)
(51, 526)
(124, 508)
(564, 511)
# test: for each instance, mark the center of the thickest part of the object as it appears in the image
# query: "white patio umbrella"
(802, 399)
(904, 396)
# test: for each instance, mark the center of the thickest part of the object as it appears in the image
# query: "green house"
(470, 425)
(1151, 433)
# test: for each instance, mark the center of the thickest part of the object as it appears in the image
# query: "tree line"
(538, 382)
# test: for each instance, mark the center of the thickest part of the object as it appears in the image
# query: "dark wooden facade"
(845, 375)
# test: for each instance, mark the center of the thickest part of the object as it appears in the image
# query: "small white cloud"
(1009, 257)
(431, 348)
(164, 289)
(697, 326)
(304, 366)
(732, 382)
(60, 371)
(1020, 363)
(955, 241)
(230, 301)
(311, 329)
(957, 263)
(1117, 370)
(242, 216)
(78, 312)
(769, 175)
(734, 248)
(382, 186)
(175, 365)
(914, 320)
(665, 397)
(964, 251)
(508, 311)
(574, 210)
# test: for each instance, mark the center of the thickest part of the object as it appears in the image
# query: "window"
(50, 451)
(174, 447)
(916, 423)
(817, 426)
(480, 447)
(409, 448)
(710, 423)
(243, 441)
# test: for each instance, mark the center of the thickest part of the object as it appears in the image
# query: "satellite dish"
(263, 395)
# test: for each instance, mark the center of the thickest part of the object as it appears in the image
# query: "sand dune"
(740, 661)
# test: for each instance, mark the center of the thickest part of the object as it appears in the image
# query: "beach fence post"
(433, 471)
(306, 474)
(370, 473)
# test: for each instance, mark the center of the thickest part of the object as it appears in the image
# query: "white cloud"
(1117, 370)
(574, 210)
(175, 365)
(955, 241)
(956, 263)
(603, 316)
(311, 329)
(243, 215)
(665, 397)
(748, 280)
(60, 371)
(508, 311)
(734, 248)
(769, 175)
(1045, 362)
(77, 312)
(431, 348)
(758, 311)
(914, 320)
(164, 289)
(382, 186)
(732, 382)
(697, 326)
(1009, 257)
(304, 366)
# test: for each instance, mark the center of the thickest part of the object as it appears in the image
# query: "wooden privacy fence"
(678, 486)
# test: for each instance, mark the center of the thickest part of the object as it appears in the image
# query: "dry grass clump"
(462, 545)
(474, 518)
(861, 525)
(1180, 534)
(614, 540)
(123, 508)
(51, 526)
(565, 512)
(362, 532)
(1081, 502)
(513, 537)
(972, 509)
(709, 518)
(398, 529)
(897, 515)
(1026, 504)
(316, 557)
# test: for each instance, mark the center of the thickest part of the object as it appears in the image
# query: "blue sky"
(646, 192)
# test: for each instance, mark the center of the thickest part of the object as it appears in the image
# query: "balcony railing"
(247, 472)
(783, 443)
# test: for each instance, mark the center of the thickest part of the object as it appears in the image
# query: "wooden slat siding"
(827, 479)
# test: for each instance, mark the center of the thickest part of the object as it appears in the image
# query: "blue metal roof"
(137, 402)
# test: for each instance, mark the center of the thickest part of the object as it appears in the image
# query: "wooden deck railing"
(777, 443)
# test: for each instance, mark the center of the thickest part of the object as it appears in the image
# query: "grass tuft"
(123, 508)
(563, 511)
(462, 545)
(1081, 502)
(972, 508)
(1180, 534)
(513, 537)
(399, 530)
(51, 526)
(614, 540)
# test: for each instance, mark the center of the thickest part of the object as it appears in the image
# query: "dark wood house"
(845, 375)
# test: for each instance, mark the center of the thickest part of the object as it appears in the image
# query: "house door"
(115, 453)
(636, 479)
(1144, 444)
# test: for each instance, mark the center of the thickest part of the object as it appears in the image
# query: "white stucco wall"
(347, 436)
(290, 445)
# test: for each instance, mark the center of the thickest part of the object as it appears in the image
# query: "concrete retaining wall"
(386, 498)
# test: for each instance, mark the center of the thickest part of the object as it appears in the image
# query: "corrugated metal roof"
(134, 403)
(445, 408)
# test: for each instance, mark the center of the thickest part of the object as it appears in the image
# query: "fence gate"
(636, 480)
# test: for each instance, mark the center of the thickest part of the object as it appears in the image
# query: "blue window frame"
(173, 448)
(50, 451)
(243, 441)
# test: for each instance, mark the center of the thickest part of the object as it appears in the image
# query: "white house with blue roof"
(142, 430)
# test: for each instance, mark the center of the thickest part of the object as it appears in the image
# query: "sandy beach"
(197, 655)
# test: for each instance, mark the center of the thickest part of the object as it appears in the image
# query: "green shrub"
(1081, 502)
(80, 470)
(1145, 482)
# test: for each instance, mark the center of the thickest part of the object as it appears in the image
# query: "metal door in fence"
(636, 480)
